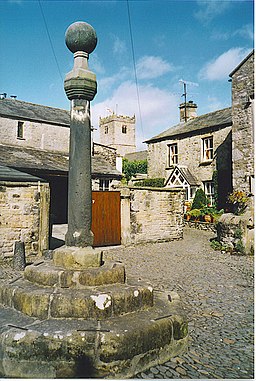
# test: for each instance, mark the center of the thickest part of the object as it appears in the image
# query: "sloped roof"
(241, 63)
(21, 110)
(191, 179)
(11, 174)
(186, 173)
(139, 155)
(215, 119)
(28, 158)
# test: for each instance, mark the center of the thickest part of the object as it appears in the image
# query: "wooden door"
(106, 218)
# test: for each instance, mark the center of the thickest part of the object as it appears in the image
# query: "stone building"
(118, 131)
(34, 144)
(242, 130)
(31, 126)
(196, 153)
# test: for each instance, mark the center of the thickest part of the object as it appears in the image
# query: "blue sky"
(197, 41)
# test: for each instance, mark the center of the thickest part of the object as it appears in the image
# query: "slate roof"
(28, 158)
(11, 174)
(139, 155)
(13, 108)
(191, 179)
(212, 120)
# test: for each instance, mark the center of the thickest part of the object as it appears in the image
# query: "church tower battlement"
(118, 131)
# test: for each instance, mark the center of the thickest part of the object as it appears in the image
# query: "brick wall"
(24, 216)
(156, 214)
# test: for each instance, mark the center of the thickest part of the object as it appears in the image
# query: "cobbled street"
(217, 292)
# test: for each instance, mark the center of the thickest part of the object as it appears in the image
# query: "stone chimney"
(187, 111)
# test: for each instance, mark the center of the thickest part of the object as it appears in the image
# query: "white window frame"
(209, 191)
(104, 185)
(173, 154)
(207, 148)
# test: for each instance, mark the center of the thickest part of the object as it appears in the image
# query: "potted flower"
(239, 201)
(195, 214)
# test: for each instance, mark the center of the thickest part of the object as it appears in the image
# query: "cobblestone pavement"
(216, 290)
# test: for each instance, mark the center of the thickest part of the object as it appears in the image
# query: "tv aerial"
(185, 84)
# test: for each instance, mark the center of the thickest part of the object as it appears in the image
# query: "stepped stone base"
(69, 348)
(74, 317)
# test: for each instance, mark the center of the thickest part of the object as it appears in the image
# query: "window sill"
(20, 138)
(206, 162)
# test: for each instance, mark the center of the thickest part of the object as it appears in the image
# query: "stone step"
(116, 348)
(45, 273)
(98, 302)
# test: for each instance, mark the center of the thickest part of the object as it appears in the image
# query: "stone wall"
(156, 214)
(190, 155)
(108, 153)
(242, 116)
(236, 233)
(113, 135)
(38, 135)
(24, 216)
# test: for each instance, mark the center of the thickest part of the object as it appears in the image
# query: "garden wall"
(236, 233)
(151, 214)
(24, 216)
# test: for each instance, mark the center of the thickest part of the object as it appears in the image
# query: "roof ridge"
(33, 104)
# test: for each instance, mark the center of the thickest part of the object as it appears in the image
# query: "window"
(173, 154)
(124, 129)
(20, 130)
(104, 185)
(209, 191)
(208, 148)
(106, 129)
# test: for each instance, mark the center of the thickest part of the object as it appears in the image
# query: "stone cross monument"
(80, 86)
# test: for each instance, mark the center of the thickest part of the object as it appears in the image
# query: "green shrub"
(130, 168)
(157, 183)
(239, 247)
(200, 199)
(195, 213)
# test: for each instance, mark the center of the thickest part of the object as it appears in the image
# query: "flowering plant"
(239, 201)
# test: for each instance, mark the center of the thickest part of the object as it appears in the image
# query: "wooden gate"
(106, 218)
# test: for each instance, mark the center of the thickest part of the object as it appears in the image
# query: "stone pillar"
(80, 86)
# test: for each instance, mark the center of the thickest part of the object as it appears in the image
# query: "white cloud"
(95, 64)
(159, 109)
(119, 46)
(222, 66)
(245, 32)
(208, 10)
(106, 83)
(149, 67)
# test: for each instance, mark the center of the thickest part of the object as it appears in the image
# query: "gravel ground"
(217, 292)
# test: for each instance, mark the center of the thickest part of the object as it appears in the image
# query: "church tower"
(118, 131)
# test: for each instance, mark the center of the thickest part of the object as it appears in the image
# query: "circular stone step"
(99, 302)
(114, 348)
(45, 274)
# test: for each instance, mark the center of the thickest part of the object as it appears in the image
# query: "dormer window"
(124, 129)
(20, 130)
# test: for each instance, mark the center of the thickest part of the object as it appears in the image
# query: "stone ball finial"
(80, 36)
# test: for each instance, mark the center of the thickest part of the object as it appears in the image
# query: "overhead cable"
(134, 66)
(50, 40)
